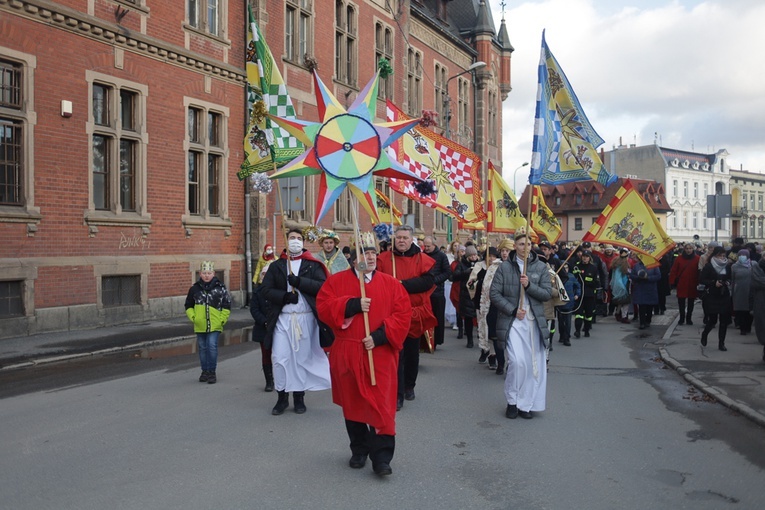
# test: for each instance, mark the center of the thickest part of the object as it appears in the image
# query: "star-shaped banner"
(346, 147)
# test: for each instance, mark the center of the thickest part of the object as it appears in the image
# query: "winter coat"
(461, 274)
(684, 275)
(757, 295)
(312, 274)
(645, 281)
(440, 271)
(259, 309)
(574, 291)
(741, 277)
(716, 299)
(590, 277)
(506, 290)
(208, 305)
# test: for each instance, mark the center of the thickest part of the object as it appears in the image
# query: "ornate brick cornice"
(75, 22)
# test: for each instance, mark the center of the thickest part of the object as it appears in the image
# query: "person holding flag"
(369, 410)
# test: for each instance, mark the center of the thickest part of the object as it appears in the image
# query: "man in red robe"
(407, 264)
(369, 411)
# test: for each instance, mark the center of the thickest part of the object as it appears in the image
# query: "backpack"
(559, 294)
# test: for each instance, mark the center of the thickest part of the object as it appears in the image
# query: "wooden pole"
(393, 239)
(284, 228)
(362, 284)
(528, 247)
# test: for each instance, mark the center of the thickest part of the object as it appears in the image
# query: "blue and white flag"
(565, 142)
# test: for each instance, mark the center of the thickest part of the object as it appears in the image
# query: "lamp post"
(447, 99)
(515, 174)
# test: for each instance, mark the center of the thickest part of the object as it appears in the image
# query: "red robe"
(412, 267)
(348, 359)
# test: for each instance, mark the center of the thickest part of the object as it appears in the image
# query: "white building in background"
(688, 177)
(748, 192)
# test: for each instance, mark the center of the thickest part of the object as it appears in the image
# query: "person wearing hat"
(589, 278)
(413, 269)
(522, 328)
(208, 307)
(369, 411)
(330, 255)
(290, 286)
(260, 268)
(717, 298)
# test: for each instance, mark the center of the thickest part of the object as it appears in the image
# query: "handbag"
(559, 294)
(326, 336)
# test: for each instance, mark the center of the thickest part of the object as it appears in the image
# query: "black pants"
(710, 321)
(439, 306)
(468, 328)
(686, 308)
(744, 320)
(500, 352)
(586, 314)
(645, 312)
(365, 441)
(564, 326)
(408, 365)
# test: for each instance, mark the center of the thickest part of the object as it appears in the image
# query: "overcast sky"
(690, 71)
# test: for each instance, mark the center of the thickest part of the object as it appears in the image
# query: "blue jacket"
(645, 290)
(573, 288)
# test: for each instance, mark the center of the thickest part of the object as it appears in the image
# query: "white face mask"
(295, 245)
(743, 258)
(269, 252)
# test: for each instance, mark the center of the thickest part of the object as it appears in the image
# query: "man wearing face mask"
(299, 363)
(406, 263)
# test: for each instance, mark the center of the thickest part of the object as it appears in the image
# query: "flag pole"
(393, 241)
(362, 284)
(528, 241)
(284, 227)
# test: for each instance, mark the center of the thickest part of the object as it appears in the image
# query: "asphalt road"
(135, 431)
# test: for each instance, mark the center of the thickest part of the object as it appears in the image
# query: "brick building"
(121, 128)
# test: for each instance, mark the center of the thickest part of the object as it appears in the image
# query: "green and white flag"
(265, 143)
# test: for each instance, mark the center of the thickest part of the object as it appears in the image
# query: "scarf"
(718, 265)
(304, 255)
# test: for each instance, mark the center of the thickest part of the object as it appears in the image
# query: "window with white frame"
(695, 190)
(685, 189)
(744, 228)
(118, 141)
(704, 223)
(346, 36)
(695, 220)
(685, 219)
(674, 188)
(759, 201)
(414, 209)
(751, 202)
(577, 223)
(414, 82)
(207, 16)
(206, 161)
(706, 189)
(384, 49)
(760, 227)
(298, 30)
(743, 201)
(674, 220)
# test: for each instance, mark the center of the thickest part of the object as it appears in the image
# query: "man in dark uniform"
(441, 272)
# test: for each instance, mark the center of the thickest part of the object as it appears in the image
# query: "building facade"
(121, 129)
(748, 193)
(687, 177)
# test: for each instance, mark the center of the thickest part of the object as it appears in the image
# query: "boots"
(704, 335)
(297, 397)
(281, 404)
(460, 332)
(469, 341)
(721, 345)
(268, 371)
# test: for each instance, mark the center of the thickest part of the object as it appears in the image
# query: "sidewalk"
(735, 378)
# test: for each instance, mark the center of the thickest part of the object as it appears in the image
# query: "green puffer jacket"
(208, 306)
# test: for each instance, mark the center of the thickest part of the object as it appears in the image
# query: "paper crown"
(367, 239)
(207, 265)
(329, 234)
(312, 233)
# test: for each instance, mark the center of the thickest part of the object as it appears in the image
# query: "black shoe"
(643, 326)
(282, 404)
(526, 415)
(577, 334)
(211, 379)
(587, 334)
(409, 394)
(460, 333)
(681, 322)
(268, 372)
(501, 370)
(704, 338)
(567, 343)
(382, 469)
(482, 358)
(511, 411)
(469, 343)
(204, 376)
(722, 347)
(399, 403)
(357, 461)
(299, 403)
(492, 362)
(689, 322)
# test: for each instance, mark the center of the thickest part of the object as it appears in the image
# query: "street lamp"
(447, 105)
(515, 174)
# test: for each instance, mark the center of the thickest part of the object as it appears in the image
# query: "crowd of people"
(356, 319)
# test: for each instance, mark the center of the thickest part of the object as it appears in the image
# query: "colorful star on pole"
(347, 148)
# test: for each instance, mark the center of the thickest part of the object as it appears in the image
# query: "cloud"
(690, 71)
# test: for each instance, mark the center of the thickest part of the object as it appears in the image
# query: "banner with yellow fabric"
(383, 210)
(543, 221)
(630, 222)
(504, 215)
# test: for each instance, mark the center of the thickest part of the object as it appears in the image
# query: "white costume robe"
(299, 362)
(526, 379)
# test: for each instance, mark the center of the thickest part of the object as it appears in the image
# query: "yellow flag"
(543, 221)
(504, 215)
(383, 210)
(630, 222)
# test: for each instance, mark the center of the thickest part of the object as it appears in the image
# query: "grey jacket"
(506, 290)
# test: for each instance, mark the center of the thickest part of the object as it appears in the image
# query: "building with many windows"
(748, 215)
(121, 129)
(687, 177)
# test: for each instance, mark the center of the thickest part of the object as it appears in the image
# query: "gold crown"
(367, 239)
(207, 265)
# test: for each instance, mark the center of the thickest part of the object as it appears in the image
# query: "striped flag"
(543, 221)
(630, 222)
(565, 143)
(265, 143)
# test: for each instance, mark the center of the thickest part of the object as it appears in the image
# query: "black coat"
(312, 275)
(461, 274)
(260, 308)
(441, 271)
(716, 300)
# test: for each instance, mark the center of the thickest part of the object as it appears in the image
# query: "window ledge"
(11, 214)
(214, 223)
(125, 219)
(206, 35)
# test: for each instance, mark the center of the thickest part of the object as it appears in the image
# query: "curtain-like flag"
(630, 222)
(453, 169)
(265, 143)
(384, 208)
(565, 142)
(543, 221)
(504, 215)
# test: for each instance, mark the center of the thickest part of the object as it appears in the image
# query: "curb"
(110, 350)
(712, 391)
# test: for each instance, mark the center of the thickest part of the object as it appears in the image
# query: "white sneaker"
(454, 328)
